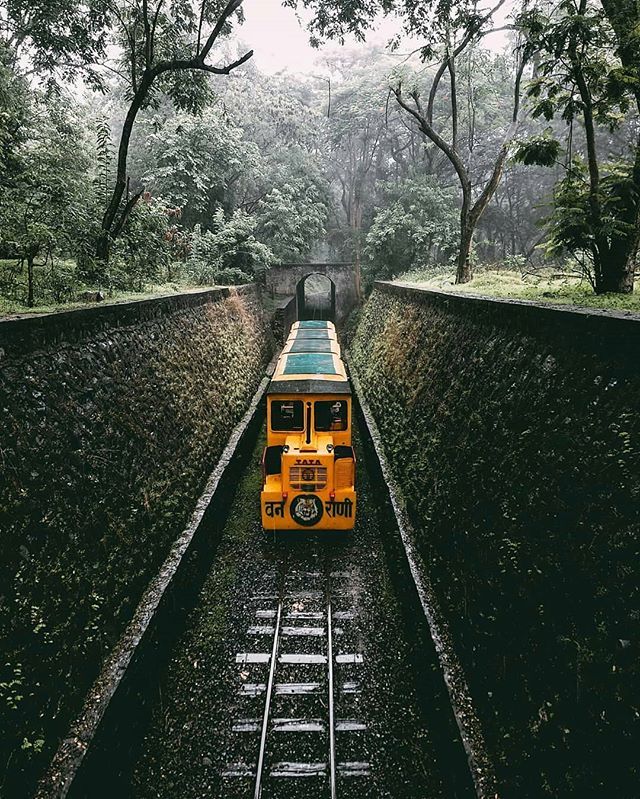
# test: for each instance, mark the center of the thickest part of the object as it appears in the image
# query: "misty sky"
(281, 43)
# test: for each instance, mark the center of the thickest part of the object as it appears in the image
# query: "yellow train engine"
(309, 463)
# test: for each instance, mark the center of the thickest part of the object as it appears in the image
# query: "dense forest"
(140, 144)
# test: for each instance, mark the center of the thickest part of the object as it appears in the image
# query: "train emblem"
(306, 509)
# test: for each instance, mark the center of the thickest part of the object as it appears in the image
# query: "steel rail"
(267, 704)
(332, 737)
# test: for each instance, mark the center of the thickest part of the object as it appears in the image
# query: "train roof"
(313, 324)
(302, 344)
(317, 333)
(309, 373)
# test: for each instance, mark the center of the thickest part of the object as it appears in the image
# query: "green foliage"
(44, 203)
(15, 109)
(573, 43)
(229, 252)
(195, 162)
(190, 92)
(227, 159)
(418, 224)
(541, 150)
(292, 216)
(580, 79)
(59, 39)
(141, 253)
(574, 227)
(176, 34)
(335, 19)
(103, 179)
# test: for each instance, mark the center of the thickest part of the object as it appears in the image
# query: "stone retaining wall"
(112, 418)
(513, 429)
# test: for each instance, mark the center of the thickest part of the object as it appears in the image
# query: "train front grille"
(308, 478)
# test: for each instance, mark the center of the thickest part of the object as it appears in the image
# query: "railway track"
(303, 669)
(292, 666)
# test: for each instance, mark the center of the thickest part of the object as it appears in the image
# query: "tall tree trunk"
(356, 227)
(464, 271)
(30, 297)
(109, 219)
(617, 278)
(614, 258)
(624, 16)
(615, 269)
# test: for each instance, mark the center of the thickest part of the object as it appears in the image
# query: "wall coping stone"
(593, 327)
(29, 332)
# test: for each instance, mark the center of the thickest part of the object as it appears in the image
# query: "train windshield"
(287, 416)
(331, 415)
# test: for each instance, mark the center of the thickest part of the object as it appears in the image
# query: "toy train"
(309, 463)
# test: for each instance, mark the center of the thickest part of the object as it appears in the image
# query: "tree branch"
(132, 46)
(153, 27)
(231, 7)
(454, 105)
(147, 33)
(203, 6)
(198, 64)
(492, 184)
(471, 33)
(126, 211)
(430, 132)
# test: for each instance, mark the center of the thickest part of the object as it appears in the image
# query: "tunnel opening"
(316, 297)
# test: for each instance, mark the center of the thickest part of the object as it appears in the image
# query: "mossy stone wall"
(514, 430)
(112, 418)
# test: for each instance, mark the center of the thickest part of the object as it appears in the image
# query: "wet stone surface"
(206, 728)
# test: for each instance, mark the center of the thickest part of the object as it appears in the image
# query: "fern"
(104, 161)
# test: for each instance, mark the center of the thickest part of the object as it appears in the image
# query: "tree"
(56, 39)
(15, 110)
(447, 31)
(596, 205)
(194, 162)
(286, 187)
(159, 44)
(292, 216)
(473, 203)
(258, 151)
(416, 226)
(45, 204)
(357, 126)
(229, 251)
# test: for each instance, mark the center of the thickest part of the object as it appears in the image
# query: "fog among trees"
(140, 144)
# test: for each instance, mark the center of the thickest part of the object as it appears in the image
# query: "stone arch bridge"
(286, 286)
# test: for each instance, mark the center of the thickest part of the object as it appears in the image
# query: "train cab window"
(331, 415)
(287, 416)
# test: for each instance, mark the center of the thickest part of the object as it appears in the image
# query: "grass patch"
(544, 286)
(10, 307)
(59, 287)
